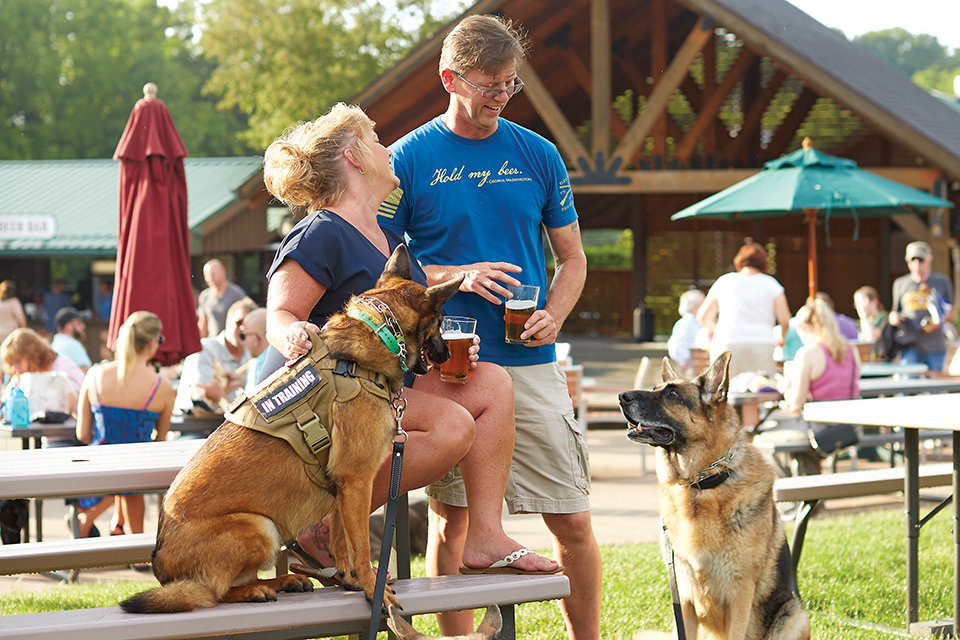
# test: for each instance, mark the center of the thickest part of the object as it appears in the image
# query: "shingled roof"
(81, 195)
(846, 71)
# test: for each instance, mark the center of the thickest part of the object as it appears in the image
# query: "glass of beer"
(459, 332)
(519, 309)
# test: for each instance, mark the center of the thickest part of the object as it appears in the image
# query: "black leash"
(389, 522)
(672, 574)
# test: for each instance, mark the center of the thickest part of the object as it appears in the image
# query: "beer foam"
(456, 335)
(520, 304)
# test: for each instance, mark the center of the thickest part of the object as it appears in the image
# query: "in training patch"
(276, 401)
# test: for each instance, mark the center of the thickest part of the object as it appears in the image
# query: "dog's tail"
(180, 595)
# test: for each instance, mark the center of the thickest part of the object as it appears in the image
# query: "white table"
(912, 413)
(876, 387)
(83, 471)
(879, 369)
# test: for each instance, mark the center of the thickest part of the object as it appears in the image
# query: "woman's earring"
(361, 171)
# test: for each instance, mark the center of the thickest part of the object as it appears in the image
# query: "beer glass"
(458, 331)
(519, 309)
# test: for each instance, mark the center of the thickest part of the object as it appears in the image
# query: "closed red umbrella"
(153, 245)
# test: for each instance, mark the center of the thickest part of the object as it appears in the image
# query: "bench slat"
(295, 615)
(849, 484)
(40, 557)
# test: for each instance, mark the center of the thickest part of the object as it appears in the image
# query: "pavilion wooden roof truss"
(655, 96)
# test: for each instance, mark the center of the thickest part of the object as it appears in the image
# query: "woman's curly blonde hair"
(303, 168)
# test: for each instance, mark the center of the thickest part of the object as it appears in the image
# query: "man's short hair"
(65, 316)
(485, 43)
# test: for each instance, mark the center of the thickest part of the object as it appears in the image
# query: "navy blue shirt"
(335, 254)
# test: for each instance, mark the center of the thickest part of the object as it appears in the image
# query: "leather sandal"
(311, 567)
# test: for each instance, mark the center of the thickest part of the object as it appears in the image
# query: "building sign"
(27, 227)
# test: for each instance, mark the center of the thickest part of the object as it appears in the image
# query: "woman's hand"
(474, 352)
(297, 340)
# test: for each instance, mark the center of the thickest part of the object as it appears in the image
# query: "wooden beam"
(564, 135)
(712, 106)
(658, 66)
(664, 88)
(601, 98)
(709, 181)
(579, 70)
(751, 121)
(788, 127)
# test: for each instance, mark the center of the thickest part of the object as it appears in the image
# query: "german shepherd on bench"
(246, 492)
(716, 502)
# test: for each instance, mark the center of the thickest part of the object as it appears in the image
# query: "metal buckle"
(346, 368)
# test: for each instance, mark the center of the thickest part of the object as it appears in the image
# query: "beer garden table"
(912, 413)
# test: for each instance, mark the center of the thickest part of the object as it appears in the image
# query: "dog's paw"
(252, 593)
(295, 583)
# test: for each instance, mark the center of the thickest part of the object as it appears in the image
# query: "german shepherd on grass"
(245, 492)
(716, 502)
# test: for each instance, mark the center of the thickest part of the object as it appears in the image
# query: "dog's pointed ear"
(667, 372)
(715, 381)
(440, 293)
(399, 263)
(492, 622)
(401, 627)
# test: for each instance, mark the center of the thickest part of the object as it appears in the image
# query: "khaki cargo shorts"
(550, 472)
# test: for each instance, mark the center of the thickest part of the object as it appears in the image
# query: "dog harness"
(296, 403)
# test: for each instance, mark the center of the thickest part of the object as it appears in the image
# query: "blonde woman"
(127, 401)
(826, 367)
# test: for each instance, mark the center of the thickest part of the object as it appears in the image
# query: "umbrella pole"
(811, 217)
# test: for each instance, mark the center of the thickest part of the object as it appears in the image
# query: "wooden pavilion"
(656, 104)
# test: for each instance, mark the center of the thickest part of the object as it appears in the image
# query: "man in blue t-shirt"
(478, 192)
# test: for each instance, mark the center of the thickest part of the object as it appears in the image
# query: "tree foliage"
(903, 50)
(72, 70)
(283, 61)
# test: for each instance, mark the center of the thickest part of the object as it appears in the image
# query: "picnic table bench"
(811, 490)
(322, 613)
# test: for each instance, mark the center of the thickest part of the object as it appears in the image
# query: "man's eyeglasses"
(160, 339)
(489, 94)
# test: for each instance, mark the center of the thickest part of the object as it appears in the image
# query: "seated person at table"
(253, 333)
(871, 312)
(686, 331)
(126, 401)
(826, 367)
(50, 381)
(209, 379)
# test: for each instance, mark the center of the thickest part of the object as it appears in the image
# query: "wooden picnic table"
(912, 413)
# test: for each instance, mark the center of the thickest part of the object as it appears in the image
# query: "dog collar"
(707, 480)
(388, 331)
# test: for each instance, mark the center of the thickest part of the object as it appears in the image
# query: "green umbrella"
(813, 183)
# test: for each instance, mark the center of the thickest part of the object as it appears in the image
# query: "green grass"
(852, 567)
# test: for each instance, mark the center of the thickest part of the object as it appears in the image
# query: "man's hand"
(541, 328)
(894, 319)
(481, 278)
